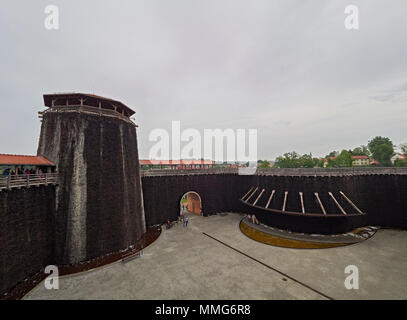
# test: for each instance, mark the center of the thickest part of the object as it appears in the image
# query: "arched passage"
(191, 202)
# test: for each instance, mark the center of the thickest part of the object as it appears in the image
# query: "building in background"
(12, 164)
(360, 161)
(176, 164)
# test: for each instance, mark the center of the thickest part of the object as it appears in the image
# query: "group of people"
(20, 171)
(181, 217)
(252, 218)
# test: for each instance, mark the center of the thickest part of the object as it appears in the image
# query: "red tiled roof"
(360, 157)
(14, 159)
(175, 162)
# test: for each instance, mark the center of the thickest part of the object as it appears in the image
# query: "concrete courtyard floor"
(199, 262)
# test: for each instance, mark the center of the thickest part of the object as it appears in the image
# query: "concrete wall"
(26, 233)
(99, 201)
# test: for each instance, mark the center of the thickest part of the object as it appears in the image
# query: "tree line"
(380, 149)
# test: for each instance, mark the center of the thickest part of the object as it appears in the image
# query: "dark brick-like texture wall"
(31, 230)
(26, 233)
(99, 199)
(382, 197)
(218, 192)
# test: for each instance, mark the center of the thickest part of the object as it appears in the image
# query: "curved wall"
(26, 233)
(99, 205)
(218, 192)
(381, 197)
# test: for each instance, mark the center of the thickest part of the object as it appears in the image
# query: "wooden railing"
(280, 171)
(87, 110)
(27, 180)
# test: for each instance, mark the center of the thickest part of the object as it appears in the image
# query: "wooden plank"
(285, 200)
(247, 193)
(302, 203)
(351, 203)
(320, 203)
(337, 203)
(271, 197)
(252, 194)
(258, 198)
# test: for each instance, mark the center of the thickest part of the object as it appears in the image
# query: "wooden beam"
(271, 197)
(302, 203)
(258, 198)
(242, 198)
(351, 203)
(320, 203)
(285, 200)
(251, 195)
(337, 203)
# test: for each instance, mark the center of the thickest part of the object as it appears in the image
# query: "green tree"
(382, 150)
(361, 151)
(264, 164)
(306, 161)
(288, 160)
(400, 163)
(320, 163)
(344, 159)
(332, 154)
(403, 148)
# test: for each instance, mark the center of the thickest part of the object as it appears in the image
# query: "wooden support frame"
(285, 200)
(271, 197)
(320, 202)
(247, 193)
(302, 203)
(259, 196)
(251, 195)
(350, 202)
(337, 203)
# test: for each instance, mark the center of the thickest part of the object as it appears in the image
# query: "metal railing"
(280, 171)
(87, 110)
(27, 180)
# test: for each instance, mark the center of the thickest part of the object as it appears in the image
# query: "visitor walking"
(186, 222)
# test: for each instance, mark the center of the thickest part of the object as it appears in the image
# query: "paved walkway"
(212, 259)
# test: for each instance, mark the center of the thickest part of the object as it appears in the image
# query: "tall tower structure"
(93, 142)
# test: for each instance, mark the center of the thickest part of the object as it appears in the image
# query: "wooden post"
(302, 203)
(320, 203)
(258, 198)
(252, 194)
(271, 197)
(8, 182)
(285, 200)
(337, 203)
(352, 204)
(251, 189)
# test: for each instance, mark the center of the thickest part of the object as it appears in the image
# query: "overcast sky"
(287, 68)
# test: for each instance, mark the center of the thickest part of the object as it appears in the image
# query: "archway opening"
(191, 202)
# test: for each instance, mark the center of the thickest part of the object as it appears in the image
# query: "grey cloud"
(288, 68)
